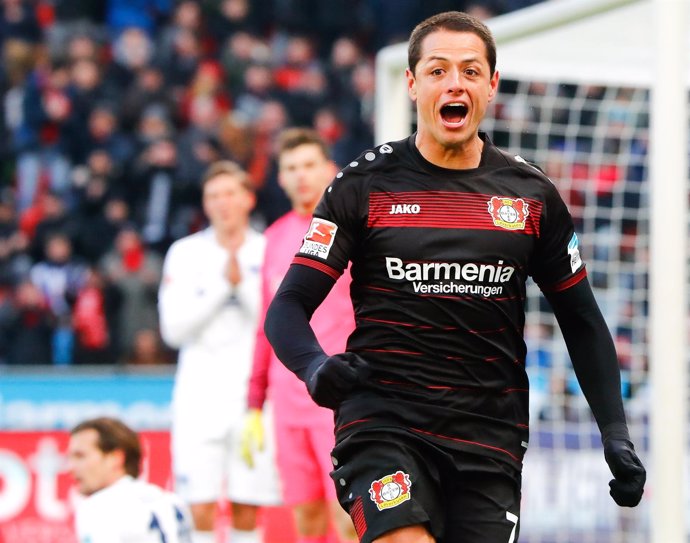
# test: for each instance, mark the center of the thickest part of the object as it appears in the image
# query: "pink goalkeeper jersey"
(333, 322)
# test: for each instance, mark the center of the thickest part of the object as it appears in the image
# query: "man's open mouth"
(454, 113)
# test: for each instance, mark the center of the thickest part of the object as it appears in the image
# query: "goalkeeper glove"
(252, 439)
(629, 474)
(330, 380)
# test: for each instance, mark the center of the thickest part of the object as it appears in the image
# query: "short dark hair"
(456, 21)
(115, 435)
(292, 138)
(228, 167)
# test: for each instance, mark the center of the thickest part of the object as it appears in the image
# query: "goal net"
(591, 141)
(583, 117)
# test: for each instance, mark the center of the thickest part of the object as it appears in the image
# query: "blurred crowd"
(111, 112)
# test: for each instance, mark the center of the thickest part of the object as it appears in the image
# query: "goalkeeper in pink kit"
(304, 431)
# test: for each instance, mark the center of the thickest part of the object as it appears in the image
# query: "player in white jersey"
(209, 303)
(104, 458)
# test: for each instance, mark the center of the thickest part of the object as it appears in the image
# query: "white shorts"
(207, 468)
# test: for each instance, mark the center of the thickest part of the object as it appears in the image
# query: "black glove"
(330, 380)
(629, 474)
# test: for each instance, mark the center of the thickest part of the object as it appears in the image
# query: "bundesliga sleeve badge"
(391, 490)
(574, 252)
(319, 238)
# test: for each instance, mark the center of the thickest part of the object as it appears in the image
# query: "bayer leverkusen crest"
(508, 213)
(391, 490)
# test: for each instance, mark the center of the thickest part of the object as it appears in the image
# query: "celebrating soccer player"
(442, 230)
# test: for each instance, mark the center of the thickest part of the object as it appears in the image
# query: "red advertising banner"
(36, 493)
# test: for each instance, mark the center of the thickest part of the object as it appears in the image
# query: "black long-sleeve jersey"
(440, 258)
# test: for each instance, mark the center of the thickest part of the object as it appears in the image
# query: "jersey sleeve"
(184, 308)
(258, 380)
(557, 264)
(333, 234)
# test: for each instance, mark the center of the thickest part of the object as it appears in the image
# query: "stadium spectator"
(319, 21)
(258, 88)
(81, 46)
(15, 260)
(272, 202)
(136, 271)
(146, 15)
(151, 183)
(207, 82)
(42, 135)
(304, 431)
(181, 64)
(104, 458)
(197, 144)
(236, 139)
(133, 50)
(187, 15)
(298, 58)
(389, 21)
(209, 302)
(359, 109)
(485, 9)
(101, 215)
(103, 133)
(308, 95)
(238, 53)
(59, 277)
(148, 349)
(18, 59)
(48, 216)
(146, 90)
(100, 164)
(95, 318)
(27, 326)
(87, 90)
(18, 21)
(74, 22)
(227, 18)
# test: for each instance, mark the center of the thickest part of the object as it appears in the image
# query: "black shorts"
(387, 479)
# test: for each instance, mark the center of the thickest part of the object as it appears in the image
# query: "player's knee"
(204, 515)
(407, 534)
(311, 518)
(244, 516)
(343, 523)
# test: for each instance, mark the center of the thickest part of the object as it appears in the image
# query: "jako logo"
(404, 209)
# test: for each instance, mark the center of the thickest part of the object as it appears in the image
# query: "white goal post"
(596, 93)
(668, 273)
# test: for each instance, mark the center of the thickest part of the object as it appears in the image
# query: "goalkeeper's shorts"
(388, 479)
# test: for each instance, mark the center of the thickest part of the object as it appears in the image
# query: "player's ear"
(116, 459)
(281, 179)
(493, 85)
(411, 85)
(251, 200)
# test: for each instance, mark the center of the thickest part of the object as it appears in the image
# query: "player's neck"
(304, 210)
(232, 238)
(463, 156)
